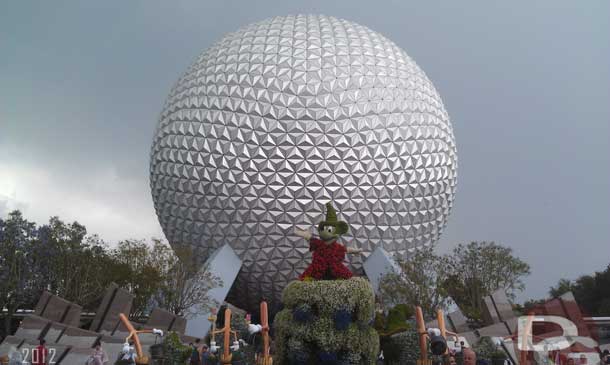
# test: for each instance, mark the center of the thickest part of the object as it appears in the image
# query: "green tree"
(467, 293)
(418, 282)
(479, 269)
(62, 258)
(19, 280)
(592, 292)
(563, 286)
(185, 285)
(75, 264)
(528, 306)
(135, 267)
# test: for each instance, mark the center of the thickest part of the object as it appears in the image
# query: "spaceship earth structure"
(281, 116)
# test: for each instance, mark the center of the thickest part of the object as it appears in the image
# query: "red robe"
(327, 263)
(39, 355)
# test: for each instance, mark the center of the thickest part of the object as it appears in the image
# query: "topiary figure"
(328, 254)
(328, 314)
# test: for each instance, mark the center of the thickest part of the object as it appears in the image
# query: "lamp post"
(212, 318)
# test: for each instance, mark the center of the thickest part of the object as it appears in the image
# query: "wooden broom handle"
(265, 329)
(227, 333)
(132, 334)
(421, 329)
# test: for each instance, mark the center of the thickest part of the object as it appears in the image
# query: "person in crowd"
(40, 354)
(98, 355)
(482, 361)
(127, 356)
(15, 357)
(459, 354)
(469, 356)
(380, 358)
(196, 353)
(606, 357)
(570, 361)
(205, 355)
(583, 359)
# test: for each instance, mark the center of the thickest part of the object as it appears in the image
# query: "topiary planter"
(174, 352)
(327, 322)
(156, 351)
(498, 361)
(498, 358)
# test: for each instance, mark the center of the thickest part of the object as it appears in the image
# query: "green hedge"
(395, 321)
(174, 351)
(402, 348)
(485, 348)
(327, 321)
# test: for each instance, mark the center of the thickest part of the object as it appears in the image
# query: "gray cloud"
(115, 206)
(526, 85)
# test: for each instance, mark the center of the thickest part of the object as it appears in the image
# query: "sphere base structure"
(283, 115)
(327, 322)
(225, 265)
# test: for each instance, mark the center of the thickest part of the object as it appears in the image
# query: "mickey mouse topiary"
(328, 253)
(328, 314)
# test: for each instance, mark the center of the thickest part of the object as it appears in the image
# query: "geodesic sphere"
(284, 115)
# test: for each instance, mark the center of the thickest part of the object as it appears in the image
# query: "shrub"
(498, 355)
(397, 319)
(484, 348)
(395, 322)
(174, 351)
(401, 348)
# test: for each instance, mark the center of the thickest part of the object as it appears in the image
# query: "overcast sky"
(527, 86)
